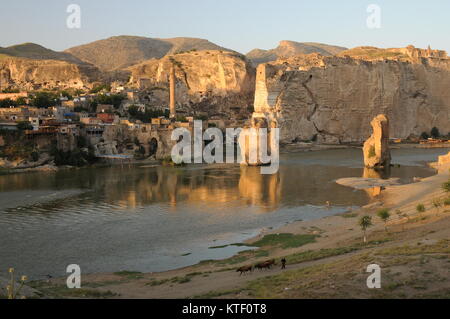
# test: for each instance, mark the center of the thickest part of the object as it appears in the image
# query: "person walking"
(283, 263)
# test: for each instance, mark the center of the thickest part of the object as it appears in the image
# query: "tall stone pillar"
(172, 91)
(376, 148)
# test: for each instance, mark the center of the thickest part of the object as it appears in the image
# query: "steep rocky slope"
(209, 81)
(123, 51)
(33, 74)
(333, 99)
(287, 49)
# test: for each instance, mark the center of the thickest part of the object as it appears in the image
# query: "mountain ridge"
(287, 48)
(120, 52)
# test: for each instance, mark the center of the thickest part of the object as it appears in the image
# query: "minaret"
(172, 91)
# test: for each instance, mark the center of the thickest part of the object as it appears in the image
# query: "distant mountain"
(287, 49)
(37, 52)
(123, 51)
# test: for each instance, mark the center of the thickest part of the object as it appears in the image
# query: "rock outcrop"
(35, 74)
(331, 99)
(376, 147)
(216, 82)
(287, 49)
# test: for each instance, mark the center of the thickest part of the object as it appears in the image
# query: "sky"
(241, 25)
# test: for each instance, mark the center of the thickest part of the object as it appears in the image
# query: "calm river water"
(159, 218)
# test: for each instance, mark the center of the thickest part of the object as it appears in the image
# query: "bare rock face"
(33, 74)
(376, 148)
(216, 82)
(331, 99)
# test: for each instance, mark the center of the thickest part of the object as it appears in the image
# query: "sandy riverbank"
(322, 254)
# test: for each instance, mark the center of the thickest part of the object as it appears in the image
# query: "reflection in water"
(147, 218)
(383, 173)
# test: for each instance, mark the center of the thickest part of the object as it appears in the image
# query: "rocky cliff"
(209, 81)
(333, 99)
(34, 74)
(287, 49)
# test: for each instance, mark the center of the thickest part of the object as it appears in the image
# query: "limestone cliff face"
(206, 80)
(333, 99)
(30, 74)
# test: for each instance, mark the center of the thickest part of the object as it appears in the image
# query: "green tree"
(21, 101)
(44, 99)
(66, 94)
(99, 88)
(24, 125)
(424, 136)
(365, 222)
(5, 103)
(435, 132)
(113, 99)
(384, 215)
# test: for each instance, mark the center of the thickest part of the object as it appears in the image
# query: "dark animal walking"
(266, 264)
(244, 269)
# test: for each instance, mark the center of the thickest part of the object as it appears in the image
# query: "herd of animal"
(263, 265)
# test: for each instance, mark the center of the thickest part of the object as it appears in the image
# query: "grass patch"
(101, 283)
(130, 274)
(261, 253)
(318, 254)
(285, 240)
(157, 282)
(179, 280)
(233, 260)
(349, 215)
(440, 247)
(61, 291)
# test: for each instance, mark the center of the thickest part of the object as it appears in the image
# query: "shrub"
(446, 186)
(420, 208)
(424, 135)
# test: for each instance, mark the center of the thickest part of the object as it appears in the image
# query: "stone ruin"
(376, 147)
(250, 140)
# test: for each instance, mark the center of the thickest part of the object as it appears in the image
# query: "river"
(143, 218)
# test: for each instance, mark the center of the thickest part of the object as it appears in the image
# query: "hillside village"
(84, 127)
(78, 106)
